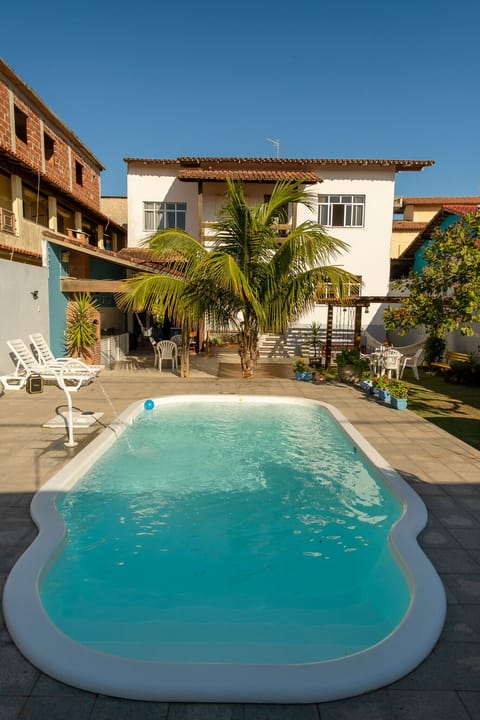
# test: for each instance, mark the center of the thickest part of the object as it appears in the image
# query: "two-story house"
(353, 202)
(51, 221)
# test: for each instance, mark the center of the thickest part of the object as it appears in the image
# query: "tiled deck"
(444, 471)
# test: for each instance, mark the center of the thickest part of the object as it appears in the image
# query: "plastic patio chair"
(166, 350)
(391, 362)
(412, 361)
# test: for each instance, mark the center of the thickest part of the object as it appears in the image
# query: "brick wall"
(60, 170)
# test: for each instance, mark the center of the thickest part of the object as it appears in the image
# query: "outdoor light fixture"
(34, 294)
(66, 256)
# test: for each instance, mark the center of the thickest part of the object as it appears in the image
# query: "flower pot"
(366, 385)
(348, 374)
(305, 376)
(384, 395)
(399, 403)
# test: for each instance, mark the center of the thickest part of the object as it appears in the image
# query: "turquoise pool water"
(241, 533)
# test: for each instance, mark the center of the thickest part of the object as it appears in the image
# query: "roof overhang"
(245, 175)
(294, 164)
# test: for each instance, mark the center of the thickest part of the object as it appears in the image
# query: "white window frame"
(341, 210)
(163, 215)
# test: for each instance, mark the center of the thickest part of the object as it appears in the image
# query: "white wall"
(20, 314)
(146, 185)
(368, 254)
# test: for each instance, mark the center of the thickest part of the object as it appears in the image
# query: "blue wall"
(57, 301)
(419, 262)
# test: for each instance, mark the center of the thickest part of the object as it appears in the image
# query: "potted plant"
(399, 394)
(82, 327)
(316, 361)
(301, 369)
(350, 365)
(366, 382)
(383, 388)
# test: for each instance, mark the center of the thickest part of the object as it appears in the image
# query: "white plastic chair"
(391, 362)
(412, 361)
(166, 350)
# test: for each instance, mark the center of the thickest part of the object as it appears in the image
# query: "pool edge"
(82, 667)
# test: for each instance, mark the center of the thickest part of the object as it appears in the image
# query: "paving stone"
(439, 705)
(462, 624)
(108, 708)
(17, 676)
(49, 708)
(471, 700)
(465, 587)
(10, 707)
(280, 712)
(452, 666)
(205, 711)
(49, 687)
(451, 560)
(438, 537)
(372, 706)
(468, 538)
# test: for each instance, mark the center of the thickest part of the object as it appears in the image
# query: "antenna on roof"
(276, 143)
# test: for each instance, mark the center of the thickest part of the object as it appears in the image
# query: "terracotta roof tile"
(407, 225)
(446, 200)
(247, 175)
(461, 209)
(293, 163)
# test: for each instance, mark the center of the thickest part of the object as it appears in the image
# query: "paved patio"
(443, 470)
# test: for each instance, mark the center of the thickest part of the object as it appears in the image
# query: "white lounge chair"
(46, 357)
(73, 371)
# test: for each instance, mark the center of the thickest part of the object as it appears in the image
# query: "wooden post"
(358, 327)
(328, 339)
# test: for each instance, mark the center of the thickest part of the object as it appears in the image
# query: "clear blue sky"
(327, 79)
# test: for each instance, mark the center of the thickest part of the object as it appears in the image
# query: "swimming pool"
(309, 632)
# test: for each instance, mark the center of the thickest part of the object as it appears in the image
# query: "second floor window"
(162, 215)
(341, 210)
(20, 124)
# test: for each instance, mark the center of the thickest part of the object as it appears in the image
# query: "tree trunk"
(185, 359)
(248, 351)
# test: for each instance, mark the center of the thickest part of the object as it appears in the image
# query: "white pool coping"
(44, 645)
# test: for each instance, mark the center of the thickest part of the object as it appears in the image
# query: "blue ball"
(148, 404)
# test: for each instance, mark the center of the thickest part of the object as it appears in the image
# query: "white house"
(353, 201)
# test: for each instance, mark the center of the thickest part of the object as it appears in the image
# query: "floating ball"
(148, 404)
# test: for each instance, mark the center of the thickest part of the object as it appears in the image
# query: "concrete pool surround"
(75, 664)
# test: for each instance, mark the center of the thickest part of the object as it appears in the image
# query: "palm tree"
(252, 278)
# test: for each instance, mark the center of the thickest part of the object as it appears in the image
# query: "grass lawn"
(454, 408)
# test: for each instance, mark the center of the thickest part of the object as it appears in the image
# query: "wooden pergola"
(358, 302)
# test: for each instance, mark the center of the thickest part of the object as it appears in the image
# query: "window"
(20, 124)
(78, 173)
(341, 210)
(162, 215)
(65, 219)
(35, 206)
(49, 149)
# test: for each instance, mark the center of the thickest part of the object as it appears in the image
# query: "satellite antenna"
(276, 143)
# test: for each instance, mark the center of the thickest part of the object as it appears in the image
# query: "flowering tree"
(445, 295)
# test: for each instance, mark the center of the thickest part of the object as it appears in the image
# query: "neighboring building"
(49, 205)
(116, 209)
(416, 213)
(440, 213)
(353, 201)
